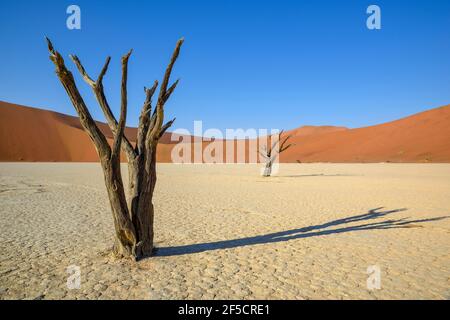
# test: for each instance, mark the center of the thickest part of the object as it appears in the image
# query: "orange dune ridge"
(29, 134)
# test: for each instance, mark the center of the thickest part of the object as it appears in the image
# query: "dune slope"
(423, 137)
(29, 134)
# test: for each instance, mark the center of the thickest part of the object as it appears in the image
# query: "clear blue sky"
(248, 64)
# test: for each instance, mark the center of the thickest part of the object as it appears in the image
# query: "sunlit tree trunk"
(271, 153)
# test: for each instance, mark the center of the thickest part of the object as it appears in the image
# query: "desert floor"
(224, 232)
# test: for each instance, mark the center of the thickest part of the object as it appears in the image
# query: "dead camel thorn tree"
(270, 154)
(133, 221)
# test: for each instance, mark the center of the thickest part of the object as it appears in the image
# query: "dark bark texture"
(133, 219)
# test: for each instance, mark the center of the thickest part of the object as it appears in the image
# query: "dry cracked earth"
(224, 232)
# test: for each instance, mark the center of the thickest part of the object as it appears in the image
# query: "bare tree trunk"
(133, 221)
(125, 231)
(270, 154)
(268, 169)
(144, 215)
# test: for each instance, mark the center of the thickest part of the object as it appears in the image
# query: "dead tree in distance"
(270, 154)
(133, 220)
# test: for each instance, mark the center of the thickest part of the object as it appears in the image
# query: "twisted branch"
(86, 120)
(97, 88)
(164, 94)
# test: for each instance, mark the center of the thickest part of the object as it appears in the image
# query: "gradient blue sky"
(248, 64)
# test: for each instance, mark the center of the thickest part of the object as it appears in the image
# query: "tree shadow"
(317, 175)
(306, 232)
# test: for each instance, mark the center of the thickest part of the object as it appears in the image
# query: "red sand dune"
(28, 134)
(423, 137)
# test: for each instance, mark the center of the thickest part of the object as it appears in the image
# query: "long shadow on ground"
(317, 175)
(306, 232)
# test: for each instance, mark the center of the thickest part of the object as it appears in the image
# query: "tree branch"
(82, 70)
(123, 108)
(276, 141)
(144, 118)
(97, 88)
(171, 90)
(164, 94)
(104, 69)
(165, 127)
(287, 147)
(86, 120)
(263, 155)
(282, 146)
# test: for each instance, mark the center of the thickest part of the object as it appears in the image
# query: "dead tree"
(271, 154)
(133, 220)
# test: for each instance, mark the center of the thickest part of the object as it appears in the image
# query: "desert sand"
(30, 134)
(224, 232)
